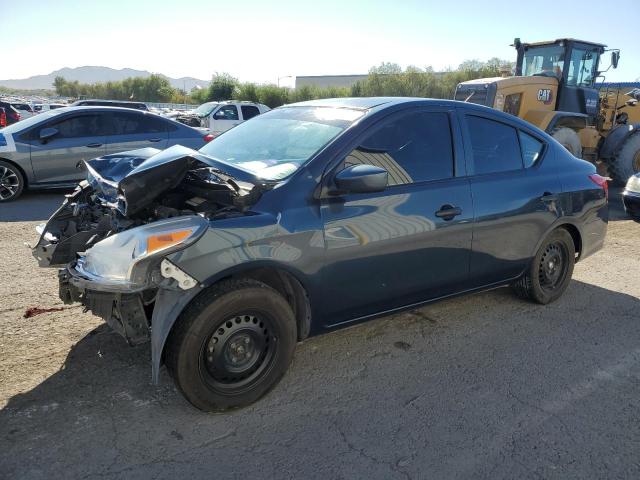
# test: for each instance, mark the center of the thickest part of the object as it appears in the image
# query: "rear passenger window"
(495, 146)
(249, 111)
(531, 149)
(415, 147)
(131, 124)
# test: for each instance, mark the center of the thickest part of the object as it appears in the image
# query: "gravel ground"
(484, 386)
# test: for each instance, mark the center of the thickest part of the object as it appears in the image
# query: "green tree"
(222, 87)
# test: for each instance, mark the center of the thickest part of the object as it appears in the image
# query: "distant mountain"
(94, 75)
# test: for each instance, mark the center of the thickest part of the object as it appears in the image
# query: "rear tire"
(550, 272)
(569, 139)
(11, 182)
(232, 345)
(626, 162)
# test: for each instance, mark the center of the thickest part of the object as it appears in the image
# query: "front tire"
(569, 139)
(550, 271)
(11, 182)
(232, 345)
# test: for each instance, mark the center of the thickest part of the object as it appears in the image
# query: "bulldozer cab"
(574, 63)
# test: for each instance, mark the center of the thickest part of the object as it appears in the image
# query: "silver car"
(47, 150)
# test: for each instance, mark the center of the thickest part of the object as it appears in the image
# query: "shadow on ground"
(484, 386)
(32, 206)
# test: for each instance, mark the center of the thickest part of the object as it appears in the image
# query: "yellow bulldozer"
(559, 87)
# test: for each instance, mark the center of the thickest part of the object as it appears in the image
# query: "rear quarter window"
(531, 149)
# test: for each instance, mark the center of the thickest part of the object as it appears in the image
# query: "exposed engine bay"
(131, 189)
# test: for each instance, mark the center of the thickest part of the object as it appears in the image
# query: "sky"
(267, 41)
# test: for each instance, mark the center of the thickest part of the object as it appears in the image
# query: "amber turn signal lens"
(164, 240)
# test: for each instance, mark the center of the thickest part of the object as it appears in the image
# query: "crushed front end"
(112, 235)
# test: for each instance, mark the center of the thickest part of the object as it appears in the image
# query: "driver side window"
(228, 112)
(414, 147)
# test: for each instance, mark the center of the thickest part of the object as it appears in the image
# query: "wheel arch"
(570, 227)
(574, 121)
(170, 303)
(25, 178)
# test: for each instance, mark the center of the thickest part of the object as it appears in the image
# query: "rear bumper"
(124, 312)
(631, 202)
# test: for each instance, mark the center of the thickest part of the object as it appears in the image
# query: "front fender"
(168, 306)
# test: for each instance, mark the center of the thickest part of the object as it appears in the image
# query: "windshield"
(275, 144)
(31, 121)
(205, 109)
(547, 60)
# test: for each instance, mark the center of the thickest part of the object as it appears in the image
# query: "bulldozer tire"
(626, 161)
(569, 139)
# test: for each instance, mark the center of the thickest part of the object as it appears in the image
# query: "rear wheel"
(626, 162)
(232, 345)
(550, 271)
(11, 182)
(569, 139)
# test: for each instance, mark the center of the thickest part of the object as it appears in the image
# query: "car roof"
(109, 101)
(367, 103)
(51, 114)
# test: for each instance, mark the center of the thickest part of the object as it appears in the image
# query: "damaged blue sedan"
(312, 217)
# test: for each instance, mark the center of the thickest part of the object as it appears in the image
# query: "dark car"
(11, 113)
(631, 196)
(46, 151)
(110, 103)
(312, 217)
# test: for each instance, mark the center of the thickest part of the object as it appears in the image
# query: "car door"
(80, 136)
(514, 192)
(410, 242)
(224, 118)
(131, 130)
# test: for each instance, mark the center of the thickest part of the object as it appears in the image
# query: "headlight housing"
(633, 184)
(123, 259)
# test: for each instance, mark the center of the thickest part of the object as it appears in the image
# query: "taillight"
(208, 137)
(601, 182)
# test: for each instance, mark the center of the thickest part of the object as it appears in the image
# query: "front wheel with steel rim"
(11, 182)
(550, 272)
(231, 345)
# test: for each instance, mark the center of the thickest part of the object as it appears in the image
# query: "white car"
(219, 117)
(24, 109)
(45, 107)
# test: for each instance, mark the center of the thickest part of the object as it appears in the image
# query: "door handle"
(154, 140)
(447, 212)
(94, 145)
(549, 197)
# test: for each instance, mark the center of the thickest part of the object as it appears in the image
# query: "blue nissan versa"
(312, 217)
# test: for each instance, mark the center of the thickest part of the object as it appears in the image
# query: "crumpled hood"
(129, 181)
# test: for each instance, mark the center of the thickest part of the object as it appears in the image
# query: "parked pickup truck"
(219, 117)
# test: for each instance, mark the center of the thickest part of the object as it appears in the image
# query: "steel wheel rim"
(552, 269)
(9, 183)
(238, 352)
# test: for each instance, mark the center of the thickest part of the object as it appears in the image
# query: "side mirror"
(48, 133)
(615, 56)
(361, 179)
(632, 102)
